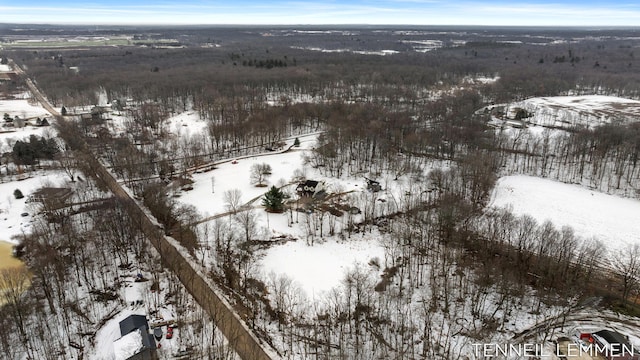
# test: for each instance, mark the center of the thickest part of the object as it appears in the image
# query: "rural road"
(243, 341)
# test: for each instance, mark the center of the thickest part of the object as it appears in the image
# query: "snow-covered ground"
(109, 333)
(25, 110)
(609, 218)
(12, 221)
(569, 111)
(319, 268)
(139, 300)
(316, 269)
(22, 108)
(318, 263)
(361, 52)
(187, 123)
(208, 196)
(480, 79)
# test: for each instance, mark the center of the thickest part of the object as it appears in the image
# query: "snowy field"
(12, 223)
(24, 110)
(208, 197)
(319, 268)
(611, 219)
(569, 111)
(379, 53)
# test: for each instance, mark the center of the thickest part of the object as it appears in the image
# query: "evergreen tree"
(18, 194)
(26, 153)
(23, 153)
(273, 200)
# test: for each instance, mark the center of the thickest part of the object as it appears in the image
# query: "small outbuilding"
(51, 195)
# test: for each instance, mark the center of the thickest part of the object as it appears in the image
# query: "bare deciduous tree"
(232, 200)
(67, 162)
(260, 173)
(13, 283)
(627, 264)
(247, 219)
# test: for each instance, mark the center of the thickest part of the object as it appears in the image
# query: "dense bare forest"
(455, 272)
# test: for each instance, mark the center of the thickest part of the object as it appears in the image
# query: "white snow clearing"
(16, 214)
(570, 111)
(22, 108)
(608, 218)
(319, 268)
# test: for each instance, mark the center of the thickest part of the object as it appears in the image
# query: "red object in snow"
(586, 337)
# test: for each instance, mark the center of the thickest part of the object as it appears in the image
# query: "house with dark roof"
(310, 188)
(135, 343)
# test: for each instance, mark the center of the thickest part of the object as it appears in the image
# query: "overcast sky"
(392, 12)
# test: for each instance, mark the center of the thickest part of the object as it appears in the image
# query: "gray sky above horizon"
(384, 12)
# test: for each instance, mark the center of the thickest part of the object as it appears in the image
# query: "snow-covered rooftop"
(128, 345)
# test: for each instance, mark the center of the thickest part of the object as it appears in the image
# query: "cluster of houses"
(18, 122)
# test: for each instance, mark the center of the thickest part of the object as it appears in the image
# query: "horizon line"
(318, 24)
